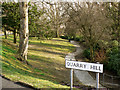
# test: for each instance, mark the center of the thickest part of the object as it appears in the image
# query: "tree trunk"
(24, 32)
(91, 53)
(14, 32)
(5, 34)
(57, 33)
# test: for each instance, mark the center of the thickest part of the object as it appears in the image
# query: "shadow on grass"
(48, 65)
(40, 59)
(35, 73)
(52, 75)
(47, 51)
(61, 40)
(41, 67)
(52, 45)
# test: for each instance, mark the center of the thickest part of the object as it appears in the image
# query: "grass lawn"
(46, 59)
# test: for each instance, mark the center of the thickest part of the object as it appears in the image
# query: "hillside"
(46, 59)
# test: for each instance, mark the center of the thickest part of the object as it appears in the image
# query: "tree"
(54, 12)
(34, 19)
(39, 23)
(91, 21)
(24, 32)
(114, 9)
(11, 18)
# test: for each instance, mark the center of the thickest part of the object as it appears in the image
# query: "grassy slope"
(47, 60)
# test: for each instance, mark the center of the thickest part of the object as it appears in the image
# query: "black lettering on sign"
(68, 63)
(93, 67)
(74, 65)
(81, 66)
(84, 66)
(99, 68)
(77, 64)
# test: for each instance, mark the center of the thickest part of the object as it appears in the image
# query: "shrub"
(86, 53)
(103, 44)
(114, 43)
(100, 56)
(96, 49)
(64, 37)
(79, 38)
(114, 60)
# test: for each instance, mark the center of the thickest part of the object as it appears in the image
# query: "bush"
(103, 44)
(79, 38)
(100, 56)
(114, 43)
(86, 53)
(96, 49)
(114, 60)
(64, 37)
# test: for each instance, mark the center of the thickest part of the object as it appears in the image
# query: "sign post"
(71, 79)
(97, 79)
(94, 67)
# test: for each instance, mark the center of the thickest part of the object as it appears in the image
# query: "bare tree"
(54, 12)
(90, 19)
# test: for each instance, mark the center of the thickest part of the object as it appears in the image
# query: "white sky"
(78, 0)
(69, 0)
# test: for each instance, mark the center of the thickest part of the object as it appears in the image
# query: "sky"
(71, 0)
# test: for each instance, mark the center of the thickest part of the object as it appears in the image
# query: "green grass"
(46, 59)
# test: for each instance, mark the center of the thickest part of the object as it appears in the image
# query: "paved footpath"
(83, 76)
(7, 84)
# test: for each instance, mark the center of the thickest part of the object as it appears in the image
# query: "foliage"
(100, 56)
(11, 17)
(114, 14)
(86, 53)
(64, 37)
(39, 25)
(34, 15)
(114, 60)
(114, 43)
(88, 19)
(79, 38)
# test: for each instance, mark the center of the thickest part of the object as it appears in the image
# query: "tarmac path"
(10, 85)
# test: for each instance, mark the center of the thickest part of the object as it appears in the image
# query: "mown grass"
(46, 59)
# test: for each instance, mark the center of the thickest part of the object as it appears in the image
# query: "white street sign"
(94, 67)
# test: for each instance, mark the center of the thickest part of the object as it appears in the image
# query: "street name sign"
(94, 67)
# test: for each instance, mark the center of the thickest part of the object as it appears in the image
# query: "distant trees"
(55, 15)
(45, 19)
(35, 25)
(11, 18)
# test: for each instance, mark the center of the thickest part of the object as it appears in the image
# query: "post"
(71, 79)
(103, 77)
(112, 79)
(97, 79)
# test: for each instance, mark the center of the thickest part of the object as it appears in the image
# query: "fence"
(110, 80)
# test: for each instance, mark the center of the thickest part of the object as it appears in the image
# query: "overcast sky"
(68, 0)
